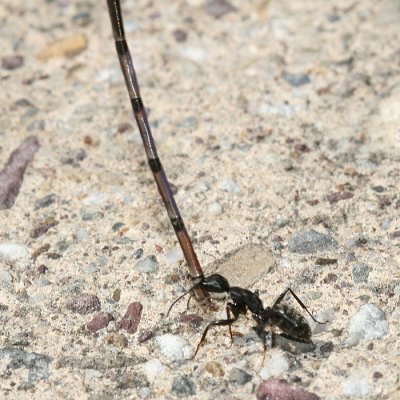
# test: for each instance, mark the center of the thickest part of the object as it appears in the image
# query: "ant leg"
(183, 295)
(282, 295)
(220, 322)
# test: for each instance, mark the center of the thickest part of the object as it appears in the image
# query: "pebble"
(43, 226)
(279, 389)
(65, 47)
(281, 221)
(183, 386)
(99, 321)
(367, 324)
(138, 254)
(360, 273)
(84, 304)
(309, 241)
(82, 234)
(275, 366)
(37, 125)
(214, 368)
(11, 252)
(45, 201)
(92, 215)
(117, 226)
(94, 199)
(175, 348)
(41, 282)
(356, 385)
(117, 340)
(230, 186)
(219, 8)
(37, 364)
(153, 368)
(239, 377)
(6, 280)
(132, 317)
(174, 256)
(12, 62)
(147, 265)
(215, 208)
(296, 80)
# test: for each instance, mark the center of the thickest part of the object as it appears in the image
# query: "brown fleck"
(118, 340)
(84, 304)
(99, 321)
(395, 234)
(131, 319)
(215, 369)
(330, 278)
(179, 35)
(145, 336)
(40, 250)
(43, 227)
(338, 196)
(12, 175)
(65, 47)
(384, 201)
(325, 261)
(192, 319)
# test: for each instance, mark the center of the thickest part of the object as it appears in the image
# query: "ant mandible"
(286, 318)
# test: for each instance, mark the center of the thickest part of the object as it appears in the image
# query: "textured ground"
(271, 117)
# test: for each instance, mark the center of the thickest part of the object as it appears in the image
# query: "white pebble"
(94, 199)
(276, 365)
(356, 385)
(367, 324)
(229, 185)
(174, 347)
(215, 208)
(81, 234)
(194, 54)
(12, 252)
(153, 368)
(5, 280)
(174, 256)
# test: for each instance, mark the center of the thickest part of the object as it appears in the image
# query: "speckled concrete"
(275, 117)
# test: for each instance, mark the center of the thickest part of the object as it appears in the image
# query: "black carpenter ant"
(291, 323)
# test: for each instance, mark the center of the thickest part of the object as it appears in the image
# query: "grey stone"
(183, 386)
(309, 241)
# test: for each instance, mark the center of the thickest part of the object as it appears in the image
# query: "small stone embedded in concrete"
(6, 280)
(175, 348)
(132, 317)
(309, 241)
(239, 377)
(215, 208)
(43, 226)
(147, 265)
(183, 386)
(218, 8)
(99, 321)
(296, 80)
(66, 47)
(367, 324)
(12, 62)
(276, 365)
(116, 339)
(360, 273)
(174, 256)
(279, 389)
(84, 304)
(45, 201)
(214, 368)
(11, 252)
(230, 186)
(153, 368)
(356, 386)
(37, 364)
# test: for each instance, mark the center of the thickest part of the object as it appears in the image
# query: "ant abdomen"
(290, 322)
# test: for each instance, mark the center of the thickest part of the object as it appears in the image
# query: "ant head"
(215, 284)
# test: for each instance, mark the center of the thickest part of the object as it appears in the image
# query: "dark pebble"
(279, 389)
(37, 125)
(325, 261)
(145, 336)
(43, 227)
(45, 201)
(309, 241)
(239, 377)
(124, 126)
(11, 177)
(183, 386)
(384, 201)
(23, 103)
(99, 321)
(192, 319)
(12, 62)
(378, 189)
(74, 156)
(293, 346)
(338, 196)
(296, 80)
(131, 319)
(117, 295)
(327, 348)
(84, 304)
(138, 254)
(42, 269)
(180, 35)
(330, 278)
(218, 8)
(395, 234)
(377, 375)
(40, 250)
(117, 226)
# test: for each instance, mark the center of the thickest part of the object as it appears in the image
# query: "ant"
(292, 324)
